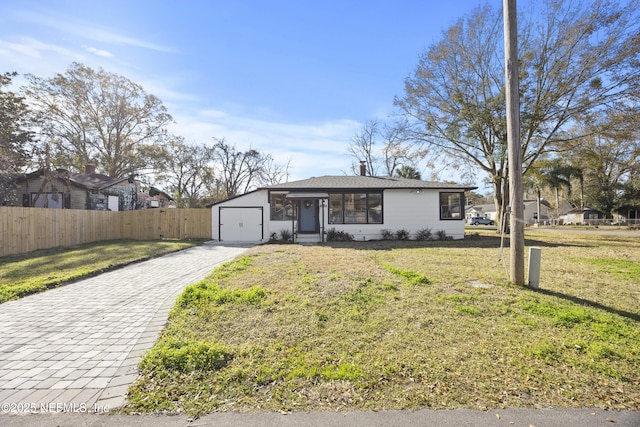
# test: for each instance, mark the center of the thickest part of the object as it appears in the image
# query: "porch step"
(308, 238)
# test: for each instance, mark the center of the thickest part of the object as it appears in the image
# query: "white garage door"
(241, 224)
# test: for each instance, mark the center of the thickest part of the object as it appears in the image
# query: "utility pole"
(516, 240)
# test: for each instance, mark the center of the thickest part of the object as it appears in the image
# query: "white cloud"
(35, 48)
(99, 52)
(313, 149)
(87, 30)
(29, 55)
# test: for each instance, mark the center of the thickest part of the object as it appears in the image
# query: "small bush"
(387, 234)
(442, 235)
(286, 235)
(338, 236)
(424, 234)
(402, 234)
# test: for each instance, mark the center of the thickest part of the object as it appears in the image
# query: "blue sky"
(295, 79)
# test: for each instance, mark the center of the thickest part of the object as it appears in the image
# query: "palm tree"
(408, 172)
(556, 174)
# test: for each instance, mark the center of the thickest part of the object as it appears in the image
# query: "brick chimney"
(90, 168)
(363, 168)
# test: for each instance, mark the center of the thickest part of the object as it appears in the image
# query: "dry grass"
(425, 325)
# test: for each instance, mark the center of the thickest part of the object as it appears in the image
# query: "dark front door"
(308, 216)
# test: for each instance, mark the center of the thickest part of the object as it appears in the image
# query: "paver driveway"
(76, 348)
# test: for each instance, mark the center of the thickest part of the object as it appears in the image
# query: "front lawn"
(36, 272)
(391, 325)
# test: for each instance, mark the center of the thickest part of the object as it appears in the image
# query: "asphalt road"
(437, 418)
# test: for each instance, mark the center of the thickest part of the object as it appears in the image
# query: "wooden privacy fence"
(24, 230)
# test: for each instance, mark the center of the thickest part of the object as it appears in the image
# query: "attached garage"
(363, 206)
(240, 224)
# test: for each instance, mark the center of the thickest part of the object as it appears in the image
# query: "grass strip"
(36, 272)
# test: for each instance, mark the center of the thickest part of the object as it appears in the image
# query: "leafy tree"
(577, 59)
(187, 173)
(610, 159)
(14, 136)
(99, 117)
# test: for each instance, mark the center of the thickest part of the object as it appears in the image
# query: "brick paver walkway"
(79, 345)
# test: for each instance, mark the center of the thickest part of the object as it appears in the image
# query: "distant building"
(61, 189)
(583, 216)
(155, 198)
(530, 213)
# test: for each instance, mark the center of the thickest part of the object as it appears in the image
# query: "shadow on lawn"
(582, 301)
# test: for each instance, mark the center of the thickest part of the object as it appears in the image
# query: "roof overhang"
(307, 195)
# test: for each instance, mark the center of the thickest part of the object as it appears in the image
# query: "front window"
(336, 212)
(355, 208)
(451, 205)
(47, 200)
(281, 208)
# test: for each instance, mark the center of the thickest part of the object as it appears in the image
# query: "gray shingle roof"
(94, 181)
(364, 182)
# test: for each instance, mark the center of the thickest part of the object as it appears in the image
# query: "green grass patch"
(620, 268)
(206, 292)
(412, 277)
(36, 272)
(563, 314)
(184, 356)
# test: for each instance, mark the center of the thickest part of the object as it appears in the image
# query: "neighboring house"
(531, 215)
(155, 198)
(583, 216)
(628, 215)
(362, 206)
(530, 212)
(61, 189)
(482, 211)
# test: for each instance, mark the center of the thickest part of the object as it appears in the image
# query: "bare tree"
(577, 59)
(188, 173)
(383, 147)
(273, 172)
(363, 148)
(239, 170)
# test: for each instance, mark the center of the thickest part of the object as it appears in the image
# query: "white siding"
(409, 210)
(402, 209)
(256, 199)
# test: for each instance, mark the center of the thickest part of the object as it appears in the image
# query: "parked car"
(479, 220)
